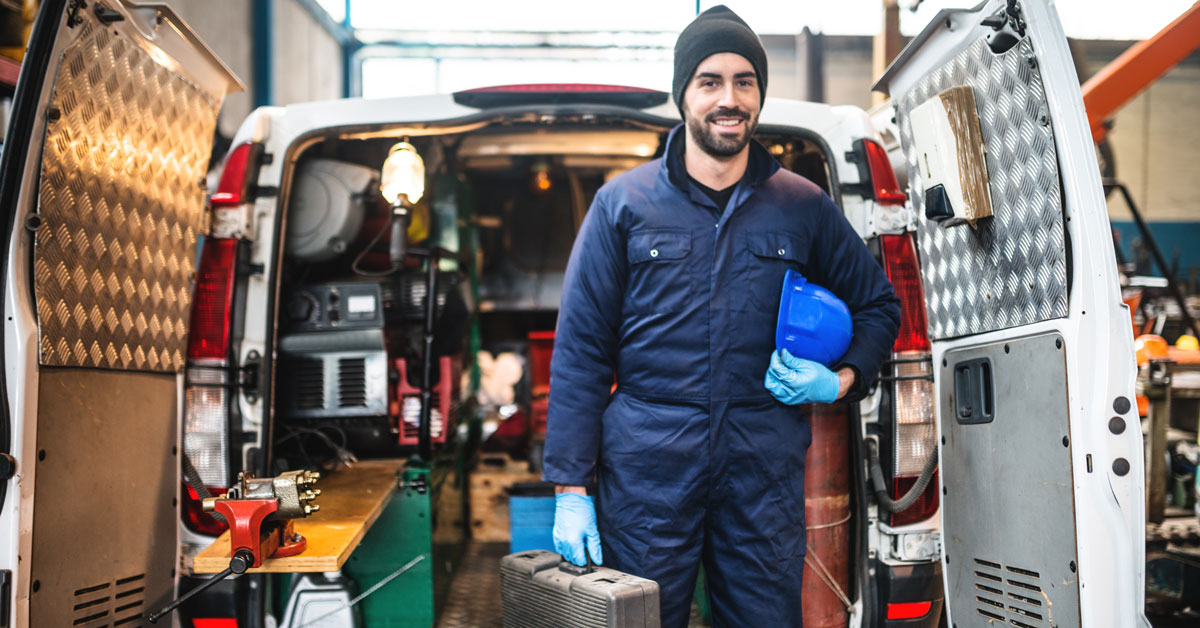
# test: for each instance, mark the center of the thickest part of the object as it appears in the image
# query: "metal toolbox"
(539, 590)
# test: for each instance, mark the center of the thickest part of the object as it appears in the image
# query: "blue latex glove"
(794, 380)
(575, 524)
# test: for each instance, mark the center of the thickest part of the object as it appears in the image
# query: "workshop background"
(290, 51)
(297, 51)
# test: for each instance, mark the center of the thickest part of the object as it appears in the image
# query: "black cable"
(295, 432)
(340, 452)
(881, 494)
(193, 479)
(304, 452)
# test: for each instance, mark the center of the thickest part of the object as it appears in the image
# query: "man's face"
(721, 104)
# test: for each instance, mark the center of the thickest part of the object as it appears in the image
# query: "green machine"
(400, 573)
(424, 519)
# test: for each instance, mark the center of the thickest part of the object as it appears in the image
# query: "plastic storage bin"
(531, 517)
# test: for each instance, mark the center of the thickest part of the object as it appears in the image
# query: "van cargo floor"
(474, 597)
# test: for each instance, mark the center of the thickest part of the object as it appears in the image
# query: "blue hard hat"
(813, 323)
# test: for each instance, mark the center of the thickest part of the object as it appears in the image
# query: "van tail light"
(913, 426)
(237, 190)
(207, 383)
(875, 167)
(213, 300)
(900, 257)
(206, 436)
(233, 188)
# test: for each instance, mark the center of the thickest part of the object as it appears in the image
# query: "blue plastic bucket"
(813, 323)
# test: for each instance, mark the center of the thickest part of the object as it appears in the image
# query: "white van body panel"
(161, 34)
(1108, 517)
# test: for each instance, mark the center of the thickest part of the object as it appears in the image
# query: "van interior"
(502, 203)
(367, 366)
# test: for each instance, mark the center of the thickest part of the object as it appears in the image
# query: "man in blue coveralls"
(673, 285)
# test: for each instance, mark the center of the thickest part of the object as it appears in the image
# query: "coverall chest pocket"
(769, 254)
(660, 280)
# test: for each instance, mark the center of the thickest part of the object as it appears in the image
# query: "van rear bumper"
(909, 583)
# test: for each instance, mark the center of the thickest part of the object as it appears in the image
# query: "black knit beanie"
(716, 30)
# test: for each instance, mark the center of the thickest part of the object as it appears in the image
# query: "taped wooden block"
(951, 158)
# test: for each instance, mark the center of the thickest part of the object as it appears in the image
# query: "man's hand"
(794, 380)
(575, 525)
(845, 381)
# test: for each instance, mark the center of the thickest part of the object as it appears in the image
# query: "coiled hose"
(193, 479)
(881, 493)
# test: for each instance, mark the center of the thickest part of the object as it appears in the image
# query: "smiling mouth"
(728, 122)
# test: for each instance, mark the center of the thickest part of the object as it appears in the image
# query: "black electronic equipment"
(334, 352)
(335, 306)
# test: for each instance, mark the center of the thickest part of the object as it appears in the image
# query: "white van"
(125, 346)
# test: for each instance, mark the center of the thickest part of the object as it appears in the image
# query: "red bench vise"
(260, 512)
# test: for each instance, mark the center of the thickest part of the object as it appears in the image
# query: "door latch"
(249, 376)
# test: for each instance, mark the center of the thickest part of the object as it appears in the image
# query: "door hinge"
(73, 8)
(249, 376)
(250, 268)
(1008, 26)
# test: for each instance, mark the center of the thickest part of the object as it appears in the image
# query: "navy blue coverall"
(694, 459)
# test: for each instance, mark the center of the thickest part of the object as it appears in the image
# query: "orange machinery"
(1118, 83)
(1144, 62)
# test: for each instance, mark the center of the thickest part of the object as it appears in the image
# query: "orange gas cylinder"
(827, 481)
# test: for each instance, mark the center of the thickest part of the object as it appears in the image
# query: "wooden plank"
(351, 500)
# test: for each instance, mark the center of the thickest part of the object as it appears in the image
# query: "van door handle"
(974, 400)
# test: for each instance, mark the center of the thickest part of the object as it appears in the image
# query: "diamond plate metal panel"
(1012, 270)
(121, 202)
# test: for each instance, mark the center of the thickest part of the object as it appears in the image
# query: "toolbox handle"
(576, 570)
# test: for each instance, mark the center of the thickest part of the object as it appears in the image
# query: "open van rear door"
(1041, 457)
(102, 190)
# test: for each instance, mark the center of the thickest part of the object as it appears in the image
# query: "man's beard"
(715, 145)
